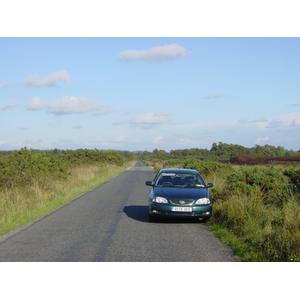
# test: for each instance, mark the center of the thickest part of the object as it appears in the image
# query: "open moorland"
(256, 195)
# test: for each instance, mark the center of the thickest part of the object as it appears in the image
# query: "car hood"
(180, 193)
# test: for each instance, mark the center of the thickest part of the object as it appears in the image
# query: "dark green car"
(179, 193)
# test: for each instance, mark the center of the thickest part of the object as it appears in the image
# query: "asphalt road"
(110, 224)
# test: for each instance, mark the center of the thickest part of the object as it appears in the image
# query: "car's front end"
(173, 210)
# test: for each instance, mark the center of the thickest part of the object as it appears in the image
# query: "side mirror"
(149, 183)
(210, 185)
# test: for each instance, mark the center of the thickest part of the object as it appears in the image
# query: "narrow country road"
(110, 224)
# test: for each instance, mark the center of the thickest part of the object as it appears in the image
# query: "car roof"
(173, 170)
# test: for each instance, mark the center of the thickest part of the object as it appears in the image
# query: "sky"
(146, 93)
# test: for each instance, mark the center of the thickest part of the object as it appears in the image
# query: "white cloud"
(284, 120)
(147, 120)
(120, 138)
(118, 122)
(295, 123)
(161, 53)
(288, 117)
(185, 141)
(211, 96)
(8, 105)
(275, 122)
(151, 118)
(70, 105)
(17, 96)
(191, 143)
(203, 127)
(261, 139)
(159, 139)
(36, 103)
(4, 84)
(258, 120)
(104, 110)
(50, 80)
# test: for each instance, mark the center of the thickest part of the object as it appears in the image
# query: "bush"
(294, 178)
(269, 183)
(260, 206)
(87, 156)
(207, 167)
(22, 166)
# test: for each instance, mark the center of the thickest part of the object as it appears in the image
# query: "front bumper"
(199, 211)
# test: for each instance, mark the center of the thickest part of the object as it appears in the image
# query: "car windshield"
(182, 180)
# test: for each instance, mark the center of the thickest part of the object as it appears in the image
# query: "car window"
(179, 180)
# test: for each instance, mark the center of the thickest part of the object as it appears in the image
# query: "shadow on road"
(137, 212)
(140, 213)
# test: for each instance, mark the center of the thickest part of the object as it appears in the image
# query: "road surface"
(110, 224)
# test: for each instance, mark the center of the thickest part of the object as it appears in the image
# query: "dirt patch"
(260, 160)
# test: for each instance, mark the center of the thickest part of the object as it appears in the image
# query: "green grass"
(259, 224)
(242, 251)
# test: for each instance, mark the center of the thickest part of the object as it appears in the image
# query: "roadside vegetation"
(34, 182)
(256, 208)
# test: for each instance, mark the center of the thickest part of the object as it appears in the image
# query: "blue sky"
(137, 93)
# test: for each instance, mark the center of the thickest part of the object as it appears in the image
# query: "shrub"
(22, 166)
(260, 206)
(272, 185)
(87, 156)
(207, 167)
(294, 178)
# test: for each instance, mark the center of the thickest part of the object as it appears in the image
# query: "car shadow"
(140, 213)
(137, 212)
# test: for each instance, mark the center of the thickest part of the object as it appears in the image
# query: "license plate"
(182, 209)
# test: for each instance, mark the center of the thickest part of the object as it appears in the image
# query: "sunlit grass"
(255, 230)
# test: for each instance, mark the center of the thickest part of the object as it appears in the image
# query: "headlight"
(202, 201)
(160, 200)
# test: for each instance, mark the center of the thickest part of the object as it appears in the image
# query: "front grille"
(181, 201)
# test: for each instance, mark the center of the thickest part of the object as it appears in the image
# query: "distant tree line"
(220, 151)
